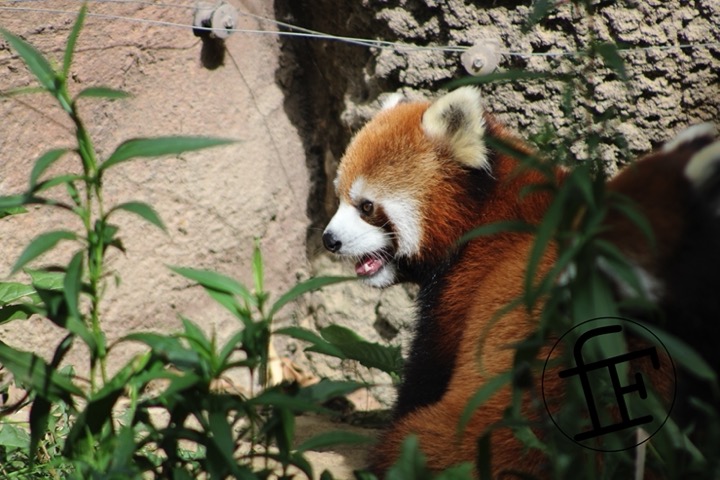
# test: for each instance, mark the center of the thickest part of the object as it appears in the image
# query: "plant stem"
(94, 229)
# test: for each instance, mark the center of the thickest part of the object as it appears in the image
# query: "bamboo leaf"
(41, 244)
(155, 147)
(34, 60)
(143, 210)
(72, 39)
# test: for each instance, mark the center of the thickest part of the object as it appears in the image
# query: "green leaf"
(12, 437)
(7, 212)
(632, 211)
(12, 202)
(39, 416)
(326, 390)
(305, 287)
(329, 439)
(504, 76)
(59, 180)
(21, 91)
(57, 311)
(102, 92)
(155, 147)
(257, 269)
(73, 284)
(97, 413)
(16, 312)
(41, 244)
(143, 210)
(46, 279)
(221, 435)
(12, 291)
(72, 39)
(34, 60)
(168, 348)
(539, 11)
(319, 344)
(42, 164)
(215, 281)
(386, 358)
(31, 371)
(611, 56)
(411, 464)
(484, 460)
(679, 351)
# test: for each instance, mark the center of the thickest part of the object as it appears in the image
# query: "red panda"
(418, 177)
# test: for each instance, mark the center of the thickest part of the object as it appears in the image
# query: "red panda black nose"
(330, 242)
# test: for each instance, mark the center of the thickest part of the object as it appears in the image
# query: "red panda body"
(417, 178)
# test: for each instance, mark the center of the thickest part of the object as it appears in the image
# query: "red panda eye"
(366, 207)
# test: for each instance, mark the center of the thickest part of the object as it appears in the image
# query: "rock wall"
(215, 203)
(340, 85)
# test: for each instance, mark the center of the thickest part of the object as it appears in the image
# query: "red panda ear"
(457, 119)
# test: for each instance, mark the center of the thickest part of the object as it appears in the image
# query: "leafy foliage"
(162, 415)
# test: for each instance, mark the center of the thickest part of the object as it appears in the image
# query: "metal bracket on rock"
(220, 17)
(482, 58)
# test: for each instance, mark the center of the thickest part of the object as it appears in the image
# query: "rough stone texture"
(214, 203)
(341, 86)
(294, 104)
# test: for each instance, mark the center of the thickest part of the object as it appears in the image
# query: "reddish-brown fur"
(395, 156)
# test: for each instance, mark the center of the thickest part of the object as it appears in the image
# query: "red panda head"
(404, 183)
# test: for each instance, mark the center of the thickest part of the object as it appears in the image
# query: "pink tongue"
(368, 266)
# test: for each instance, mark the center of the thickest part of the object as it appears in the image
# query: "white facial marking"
(404, 214)
(357, 236)
(357, 190)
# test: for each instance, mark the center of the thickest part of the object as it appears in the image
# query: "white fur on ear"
(703, 165)
(458, 118)
(392, 100)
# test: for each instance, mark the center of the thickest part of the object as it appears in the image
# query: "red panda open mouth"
(371, 263)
